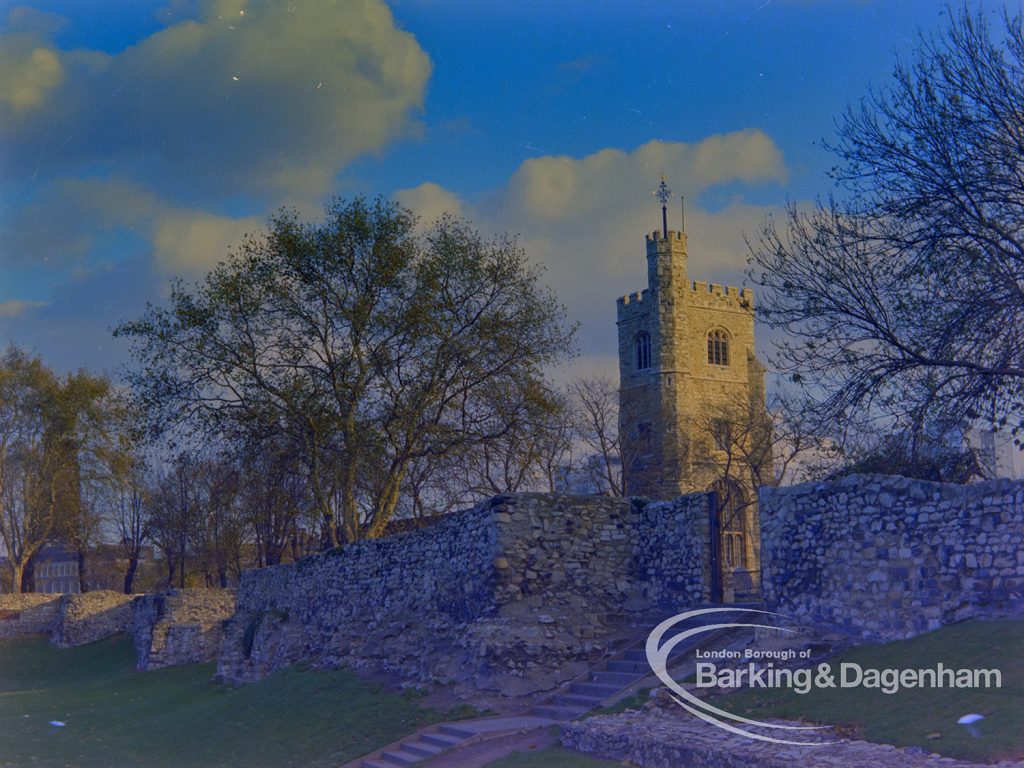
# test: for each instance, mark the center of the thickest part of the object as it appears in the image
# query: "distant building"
(997, 454)
(588, 479)
(56, 571)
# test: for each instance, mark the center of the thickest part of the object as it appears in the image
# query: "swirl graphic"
(658, 655)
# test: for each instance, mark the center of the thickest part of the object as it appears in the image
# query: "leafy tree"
(903, 301)
(363, 344)
(50, 429)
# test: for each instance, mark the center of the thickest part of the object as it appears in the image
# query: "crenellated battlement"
(632, 298)
(633, 306)
(742, 296)
(672, 235)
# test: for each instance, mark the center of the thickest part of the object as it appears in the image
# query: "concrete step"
(617, 679)
(556, 712)
(441, 740)
(399, 758)
(423, 748)
(376, 764)
(629, 667)
(457, 731)
(594, 690)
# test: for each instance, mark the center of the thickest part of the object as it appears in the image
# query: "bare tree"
(174, 514)
(597, 416)
(903, 301)
(273, 500)
(130, 510)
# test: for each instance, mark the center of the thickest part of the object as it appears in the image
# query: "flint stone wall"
(670, 737)
(181, 627)
(91, 616)
(887, 557)
(518, 583)
(27, 614)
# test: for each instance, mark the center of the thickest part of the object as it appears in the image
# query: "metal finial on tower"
(663, 193)
(682, 210)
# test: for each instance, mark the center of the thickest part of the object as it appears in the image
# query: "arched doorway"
(733, 579)
(732, 523)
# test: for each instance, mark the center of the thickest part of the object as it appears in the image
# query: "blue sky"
(140, 140)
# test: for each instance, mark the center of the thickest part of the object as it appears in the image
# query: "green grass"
(553, 757)
(913, 717)
(116, 716)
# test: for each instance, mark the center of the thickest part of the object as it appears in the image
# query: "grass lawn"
(116, 716)
(553, 757)
(925, 717)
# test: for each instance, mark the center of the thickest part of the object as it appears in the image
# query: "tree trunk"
(222, 576)
(129, 576)
(17, 577)
(83, 585)
(28, 575)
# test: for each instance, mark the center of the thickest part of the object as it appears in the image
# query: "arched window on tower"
(643, 351)
(718, 348)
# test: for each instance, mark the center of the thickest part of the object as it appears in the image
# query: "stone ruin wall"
(90, 616)
(27, 614)
(886, 557)
(513, 595)
(180, 627)
(66, 619)
(344, 602)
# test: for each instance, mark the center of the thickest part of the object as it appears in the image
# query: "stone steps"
(419, 747)
(614, 678)
(438, 739)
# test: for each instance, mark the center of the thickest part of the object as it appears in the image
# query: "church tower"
(691, 394)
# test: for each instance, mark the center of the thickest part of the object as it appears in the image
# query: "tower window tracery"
(718, 348)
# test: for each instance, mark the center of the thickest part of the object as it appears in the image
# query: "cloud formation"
(250, 97)
(584, 219)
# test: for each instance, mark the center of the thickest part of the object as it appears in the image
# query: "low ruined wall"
(27, 614)
(91, 616)
(527, 579)
(181, 627)
(671, 738)
(888, 557)
(324, 605)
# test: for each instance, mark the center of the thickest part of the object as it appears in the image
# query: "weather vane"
(663, 193)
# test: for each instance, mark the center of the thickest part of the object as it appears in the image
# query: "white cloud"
(584, 219)
(15, 307)
(192, 241)
(251, 97)
(429, 201)
(31, 71)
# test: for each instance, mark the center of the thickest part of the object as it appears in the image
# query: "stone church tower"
(692, 397)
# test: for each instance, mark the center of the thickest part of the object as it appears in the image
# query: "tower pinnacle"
(663, 193)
